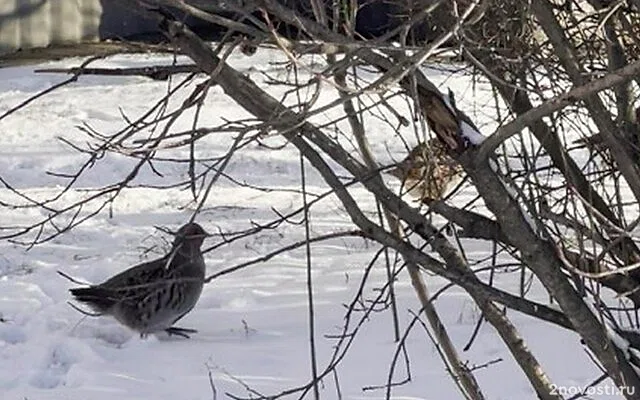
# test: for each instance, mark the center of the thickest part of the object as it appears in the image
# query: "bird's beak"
(202, 235)
(396, 171)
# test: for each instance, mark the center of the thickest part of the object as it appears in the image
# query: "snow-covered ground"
(253, 323)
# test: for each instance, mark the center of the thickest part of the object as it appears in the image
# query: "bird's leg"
(183, 332)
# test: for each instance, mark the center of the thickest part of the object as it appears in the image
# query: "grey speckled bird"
(152, 296)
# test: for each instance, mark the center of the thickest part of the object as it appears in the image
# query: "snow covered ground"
(253, 323)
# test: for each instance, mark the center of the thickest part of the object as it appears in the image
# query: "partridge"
(152, 296)
(428, 172)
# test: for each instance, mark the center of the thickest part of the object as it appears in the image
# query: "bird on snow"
(152, 296)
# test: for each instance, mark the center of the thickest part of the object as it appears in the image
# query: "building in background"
(31, 24)
(27, 24)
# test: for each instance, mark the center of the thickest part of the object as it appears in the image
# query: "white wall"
(39, 23)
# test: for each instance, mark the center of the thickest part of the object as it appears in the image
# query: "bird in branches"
(454, 129)
(428, 173)
(152, 296)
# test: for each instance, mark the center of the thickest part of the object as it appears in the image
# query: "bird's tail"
(100, 299)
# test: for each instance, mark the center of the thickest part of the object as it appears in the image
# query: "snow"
(468, 132)
(253, 323)
(471, 134)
